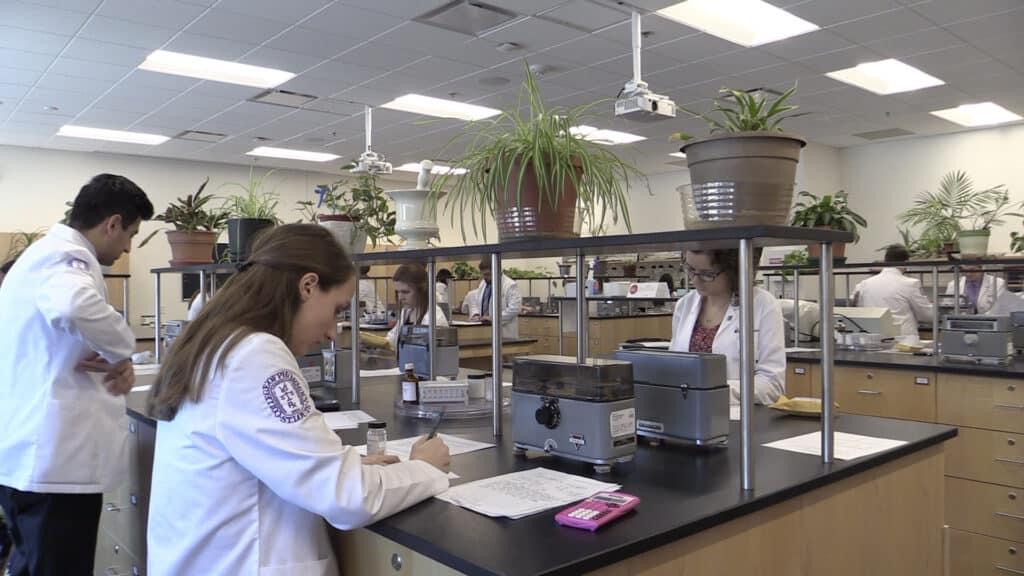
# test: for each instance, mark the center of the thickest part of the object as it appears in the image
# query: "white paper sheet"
(734, 412)
(382, 372)
(346, 419)
(847, 446)
(523, 493)
(466, 323)
(403, 447)
(801, 349)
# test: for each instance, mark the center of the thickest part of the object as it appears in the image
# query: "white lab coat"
(769, 343)
(404, 314)
(60, 431)
(472, 295)
(988, 292)
(442, 292)
(511, 303)
(368, 295)
(901, 295)
(196, 306)
(244, 479)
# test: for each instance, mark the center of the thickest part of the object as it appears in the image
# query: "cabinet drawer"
(798, 379)
(980, 402)
(124, 517)
(112, 559)
(976, 555)
(904, 394)
(988, 509)
(987, 456)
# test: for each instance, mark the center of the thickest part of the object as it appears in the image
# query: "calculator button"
(591, 514)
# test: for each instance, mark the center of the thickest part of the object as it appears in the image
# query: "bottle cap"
(377, 424)
(410, 366)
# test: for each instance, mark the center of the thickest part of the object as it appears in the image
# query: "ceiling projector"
(372, 163)
(640, 104)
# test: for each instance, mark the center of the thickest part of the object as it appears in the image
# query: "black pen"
(437, 423)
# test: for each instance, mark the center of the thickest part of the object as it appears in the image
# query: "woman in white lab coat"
(707, 319)
(981, 290)
(245, 469)
(411, 284)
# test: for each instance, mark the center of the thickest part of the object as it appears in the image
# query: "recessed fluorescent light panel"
(677, 154)
(439, 107)
(886, 77)
(606, 137)
(744, 22)
(213, 69)
(111, 135)
(289, 154)
(437, 169)
(981, 114)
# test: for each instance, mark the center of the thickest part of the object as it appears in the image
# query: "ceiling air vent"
(283, 98)
(883, 134)
(468, 17)
(201, 136)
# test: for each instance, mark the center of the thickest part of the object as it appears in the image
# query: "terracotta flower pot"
(814, 248)
(528, 217)
(191, 247)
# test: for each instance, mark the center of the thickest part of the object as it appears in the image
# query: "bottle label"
(409, 391)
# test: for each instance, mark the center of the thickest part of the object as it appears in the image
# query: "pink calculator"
(598, 510)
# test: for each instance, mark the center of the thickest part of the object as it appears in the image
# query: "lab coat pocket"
(325, 567)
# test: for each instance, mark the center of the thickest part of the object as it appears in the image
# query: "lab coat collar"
(892, 271)
(69, 234)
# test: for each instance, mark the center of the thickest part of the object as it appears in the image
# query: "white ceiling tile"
(805, 45)
(939, 60)
(685, 75)
(322, 86)
(830, 12)
(526, 7)
(344, 74)
(12, 91)
(650, 63)
(20, 60)
(175, 147)
(211, 104)
(151, 96)
(280, 59)
(126, 102)
(68, 103)
(770, 76)
(209, 46)
(167, 13)
(177, 116)
(944, 12)
(145, 80)
(365, 95)
(333, 107)
(396, 83)
(83, 85)
(128, 33)
(42, 18)
(657, 30)
(478, 52)
(313, 42)
(935, 97)
(587, 15)
(238, 27)
(740, 61)
(107, 118)
(84, 69)
(32, 115)
(965, 75)
(840, 59)
(344, 20)
(421, 37)
(435, 70)
(227, 91)
(588, 50)
(591, 79)
(991, 86)
(86, 6)
(404, 9)
(75, 144)
(374, 55)
(35, 128)
(468, 89)
(810, 83)
(534, 34)
(32, 40)
(928, 40)
(91, 50)
(288, 12)
(19, 77)
(694, 47)
(1007, 49)
(885, 25)
(994, 25)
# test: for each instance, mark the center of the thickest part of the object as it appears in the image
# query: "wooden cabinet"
(114, 559)
(986, 456)
(121, 544)
(984, 508)
(970, 554)
(798, 379)
(906, 394)
(363, 552)
(982, 402)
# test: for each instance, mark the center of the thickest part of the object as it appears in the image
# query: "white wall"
(883, 178)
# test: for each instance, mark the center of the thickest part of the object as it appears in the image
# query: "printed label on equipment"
(923, 380)
(409, 390)
(311, 373)
(622, 422)
(577, 440)
(650, 426)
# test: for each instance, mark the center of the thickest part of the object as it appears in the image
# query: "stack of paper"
(523, 493)
(846, 446)
(403, 447)
(346, 419)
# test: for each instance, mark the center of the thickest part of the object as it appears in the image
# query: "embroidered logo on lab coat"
(79, 264)
(286, 397)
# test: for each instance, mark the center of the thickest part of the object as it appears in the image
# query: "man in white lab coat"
(62, 429)
(981, 290)
(511, 302)
(901, 295)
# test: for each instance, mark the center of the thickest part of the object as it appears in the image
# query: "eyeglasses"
(705, 275)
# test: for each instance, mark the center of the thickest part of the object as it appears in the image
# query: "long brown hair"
(262, 297)
(415, 275)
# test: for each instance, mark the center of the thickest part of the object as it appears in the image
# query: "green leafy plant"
(68, 206)
(191, 214)
(992, 209)
(517, 273)
(794, 258)
(832, 211)
(20, 241)
(533, 135)
(254, 201)
(465, 270)
(363, 200)
(941, 213)
(1016, 242)
(739, 111)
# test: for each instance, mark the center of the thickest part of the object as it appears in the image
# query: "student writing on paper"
(411, 285)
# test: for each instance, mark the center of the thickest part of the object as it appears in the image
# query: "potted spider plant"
(251, 211)
(20, 241)
(196, 228)
(744, 172)
(354, 212)
(831, 212)
(533, 170)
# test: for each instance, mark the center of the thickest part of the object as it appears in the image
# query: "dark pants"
(54, 534)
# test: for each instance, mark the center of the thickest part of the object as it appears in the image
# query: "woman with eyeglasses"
(707, 319)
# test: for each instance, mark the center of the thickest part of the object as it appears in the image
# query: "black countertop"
(912, 362)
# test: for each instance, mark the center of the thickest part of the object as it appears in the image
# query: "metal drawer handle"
(1010, 461)
(870, 376)
(1007, 569)
(869, 392)
(112, 507)
(1012, 406)
(115, 571)
(1011, 516)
